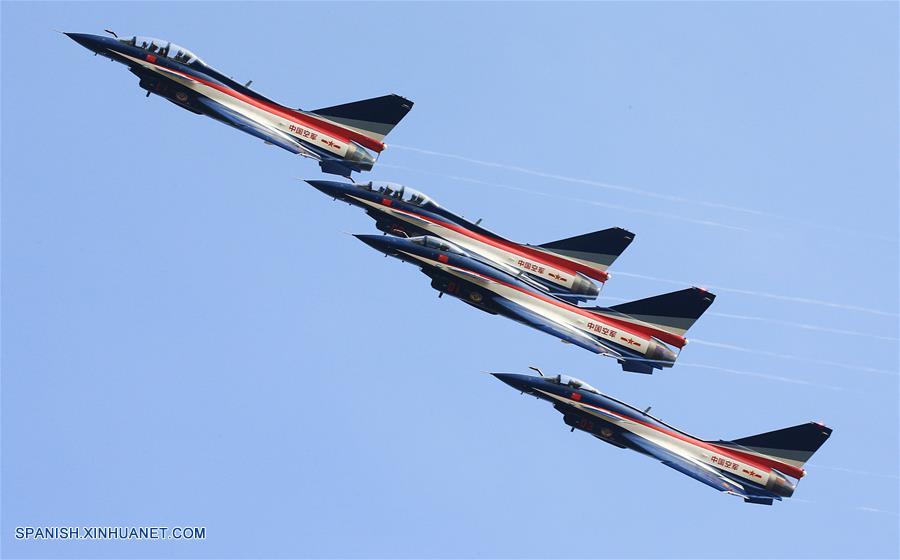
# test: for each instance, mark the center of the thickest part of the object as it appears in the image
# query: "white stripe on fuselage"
(297, 131)
(673, 444)
(560, 314)
(502, 257)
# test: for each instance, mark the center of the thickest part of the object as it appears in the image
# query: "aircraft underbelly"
(594, 328)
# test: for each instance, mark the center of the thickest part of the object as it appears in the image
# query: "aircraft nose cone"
(86, 40)
(515, 380)
(377, 242)
(333, 189)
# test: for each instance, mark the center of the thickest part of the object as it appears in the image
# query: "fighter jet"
(754, 467)
(339, 137)
(568, 268)
(637, 334)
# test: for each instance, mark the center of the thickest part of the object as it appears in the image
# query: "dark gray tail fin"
(666, 317)
(597, 250)
(374, 117)
(674, 312)
(793, 446)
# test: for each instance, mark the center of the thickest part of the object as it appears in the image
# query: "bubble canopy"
(164, 48)
(573, 382)
(400, 192)
(437, 243)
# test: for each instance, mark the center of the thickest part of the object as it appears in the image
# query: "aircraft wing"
(696, 470)
(268, 134)
(550, 327)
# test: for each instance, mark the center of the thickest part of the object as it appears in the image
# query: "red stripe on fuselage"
(665, 336)
(343, 134)
(753, 460)
(566, 265)
(584, 312)
(790, 470)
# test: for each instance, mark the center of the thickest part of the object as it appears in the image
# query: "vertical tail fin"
(667, 317)
(792, 446)
(597, 250)
(373, 118)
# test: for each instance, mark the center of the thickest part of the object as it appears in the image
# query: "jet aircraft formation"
(547, 287)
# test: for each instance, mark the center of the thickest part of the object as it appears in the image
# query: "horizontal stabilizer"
(597, 250)
(374, 117)
(793, 446)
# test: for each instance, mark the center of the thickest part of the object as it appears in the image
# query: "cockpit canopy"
(573, 382)
(163, 48)
(400, 192)
(437, 243)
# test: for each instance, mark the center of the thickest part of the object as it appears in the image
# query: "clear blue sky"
(190, 338)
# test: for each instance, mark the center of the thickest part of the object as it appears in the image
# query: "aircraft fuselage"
(484, 286)
(399, 217)
(625, 426)
(201, 89)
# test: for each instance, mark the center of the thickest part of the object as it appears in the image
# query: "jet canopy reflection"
(573, 382)
(437, 243)
(163, 48)
(400, 192)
